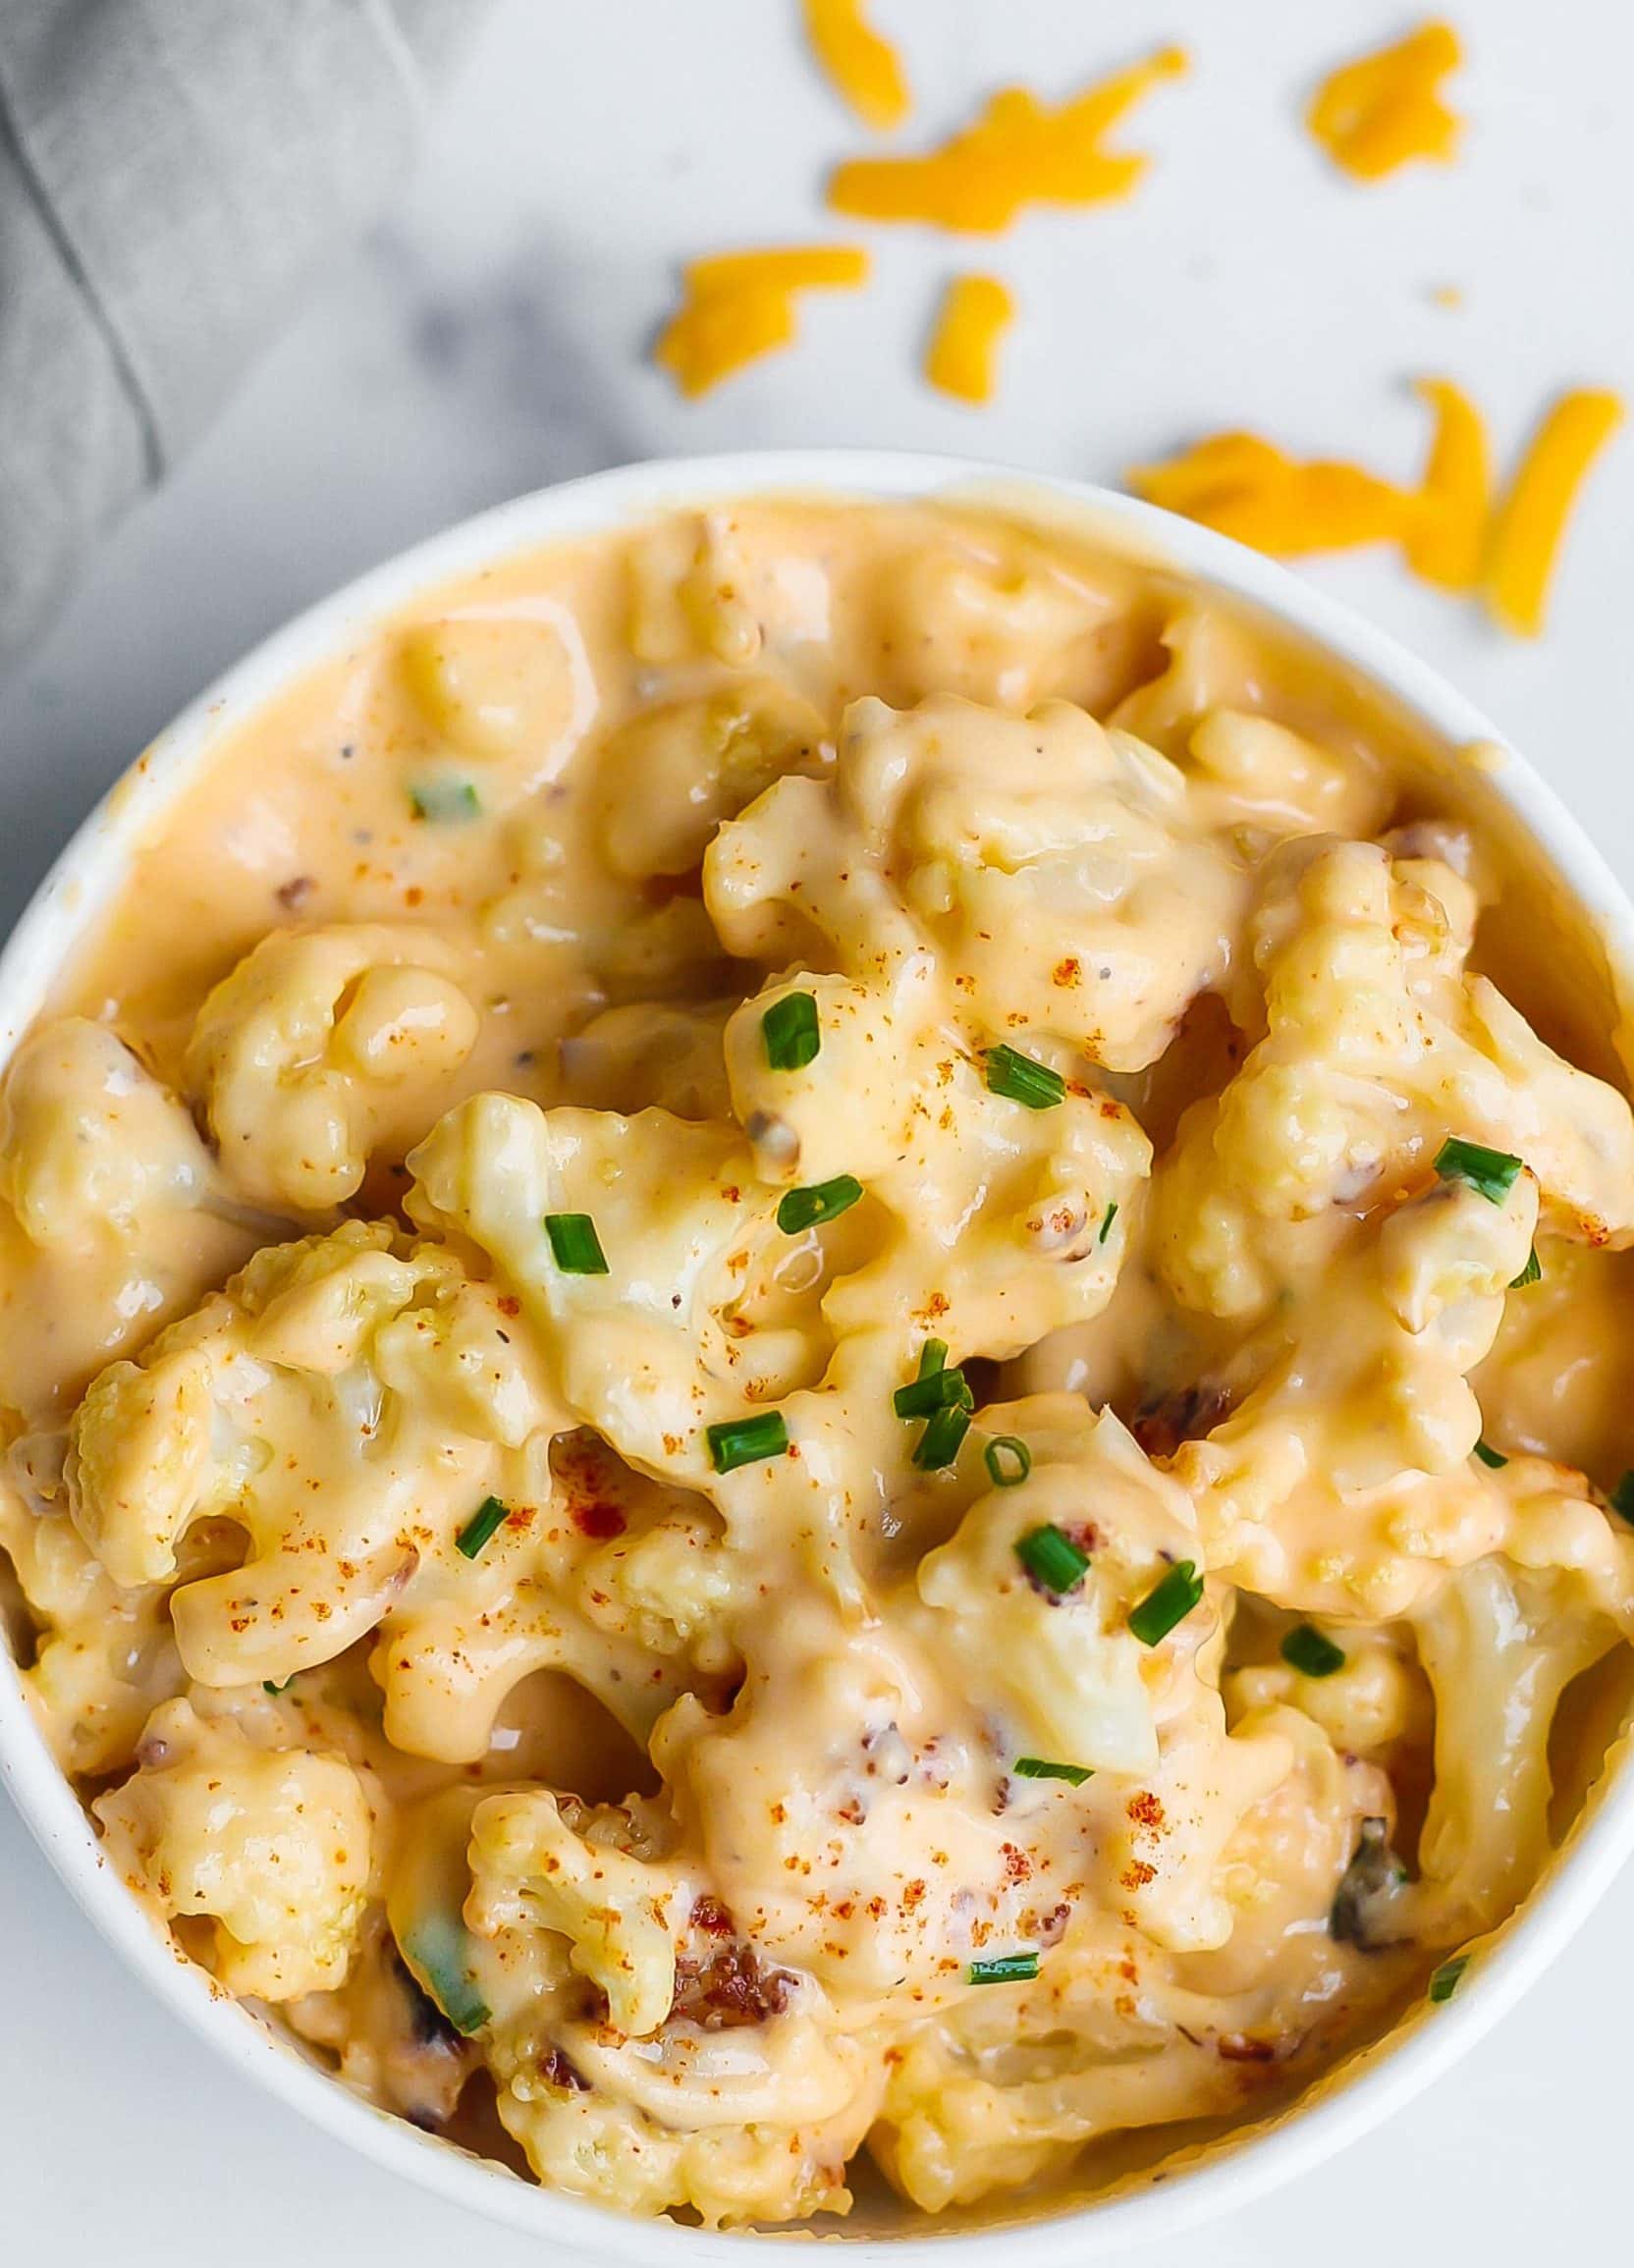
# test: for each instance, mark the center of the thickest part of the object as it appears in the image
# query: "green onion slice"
(931, 1391)
(943, 1438)
(1051, 1558)
(1022, 1080)
(1622, 1499)
(1168, 1605)
(1041, 1768)
(745, 1440)
(438, 1953)
(1107, 1219)
(1491, 1172)
(1532, 1273)
(489, 1515)
(1311, 1654)
(1445, 1981)
(1490, 1456)
(443, 802)
(790, 1030)
(932, 1356)
(1008, 1461)
(269, 1686)
(823, 1200)
(1009, 1968)
(575, 1244)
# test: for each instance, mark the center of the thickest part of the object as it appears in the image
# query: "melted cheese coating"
(431, 1674)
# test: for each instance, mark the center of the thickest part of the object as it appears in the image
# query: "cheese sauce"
(800, 1370)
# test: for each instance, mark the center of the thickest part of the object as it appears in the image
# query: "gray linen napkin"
(172, 172)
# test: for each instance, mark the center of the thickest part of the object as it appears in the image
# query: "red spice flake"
(509, 1304)
(913, 1894)
(1066, 972)
(1137, 1875)
(1146, 1811)
(710, 1915)
(731, 1193)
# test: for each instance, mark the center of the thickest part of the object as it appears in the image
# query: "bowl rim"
(91, 867)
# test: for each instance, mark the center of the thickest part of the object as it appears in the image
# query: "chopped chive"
(1311, 1654)
(943, 1438)
(1491, 1172)
(443, 802)
(1041, 1768)
(267, 1685)
(1445, 1981)
(823, 1200)
(790, 1030)
(1011, 1474)
(1022, 1080)
(438, 1953)
(745, 1440)
(1051, 1558)
(1167, 1605)
(931, 1391)
(1009, 1968)
(575, 1244)
(1532, 1273)
(1622, 1499)
(489, 1515)
(1490, 1456)
(932, 1356)
(1107, 1219)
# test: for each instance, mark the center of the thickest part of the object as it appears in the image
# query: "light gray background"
(491, 339)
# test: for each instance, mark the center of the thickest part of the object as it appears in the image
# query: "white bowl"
(92, 870)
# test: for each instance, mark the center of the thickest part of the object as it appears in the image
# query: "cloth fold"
(172, 175)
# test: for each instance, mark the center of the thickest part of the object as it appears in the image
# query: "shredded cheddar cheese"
(741, 305)
(1444, 545)
(1448, 529)
(861, 67)
(1019, 153)
(1384, 110)
(1249, 489)
(1532, 518)
(962, 355)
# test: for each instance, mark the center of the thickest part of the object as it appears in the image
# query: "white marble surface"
(490, 338)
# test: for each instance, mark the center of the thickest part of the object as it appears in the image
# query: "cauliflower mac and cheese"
(810, 1338)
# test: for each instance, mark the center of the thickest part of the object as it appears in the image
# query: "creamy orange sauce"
(429, 1150)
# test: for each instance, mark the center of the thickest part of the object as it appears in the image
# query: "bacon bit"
(1186, 1414)
(560, 2071)
(597, 1520)
(710, 1915)
(1242, 2047)
(729, 1990)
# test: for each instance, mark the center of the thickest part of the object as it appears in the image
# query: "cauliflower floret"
(1011, 627)
(1073, 1679)
(273, 1843)
(514, 687)
(672, 775)
(1342, 1482)
(1248, 771)
(1057, 869)
(321, 1046)
(702, 588)
(1379, 1046)
(652, 1052)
